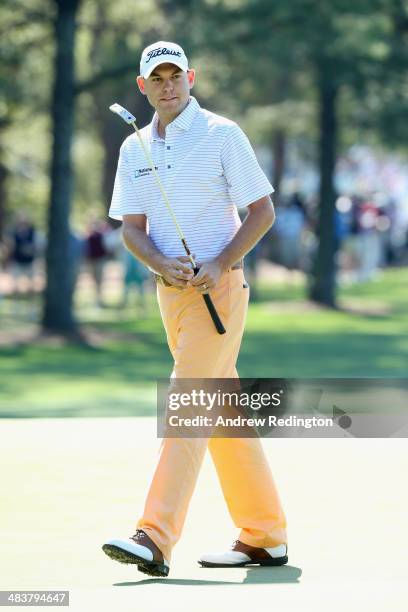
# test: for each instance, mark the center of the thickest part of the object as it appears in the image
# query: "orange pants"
(245, 477)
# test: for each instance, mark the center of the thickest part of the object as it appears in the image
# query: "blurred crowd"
(369, 235)
(22, 254)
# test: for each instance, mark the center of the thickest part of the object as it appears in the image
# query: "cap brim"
(150, 69)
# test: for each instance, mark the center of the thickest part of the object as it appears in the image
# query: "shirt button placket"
(168, 156)
(161, 162)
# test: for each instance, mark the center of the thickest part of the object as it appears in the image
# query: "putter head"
(122, 112)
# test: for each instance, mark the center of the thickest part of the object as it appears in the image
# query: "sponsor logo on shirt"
(161, 51)
(144, 171)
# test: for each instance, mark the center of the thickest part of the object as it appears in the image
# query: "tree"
(107, 84)
(58, 316)
(322, 289)
(281, 67)
(23, 32)
(323, 51)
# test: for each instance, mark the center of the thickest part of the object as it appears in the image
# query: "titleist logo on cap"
(161, 51)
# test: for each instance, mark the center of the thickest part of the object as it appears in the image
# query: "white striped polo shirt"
(208, 169)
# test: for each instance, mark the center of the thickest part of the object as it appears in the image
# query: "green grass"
(285, 337)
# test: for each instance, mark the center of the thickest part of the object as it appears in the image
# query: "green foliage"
(25, 37)
(256, 62)
(266, 54)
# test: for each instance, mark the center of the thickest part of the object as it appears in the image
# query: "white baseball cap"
(162, 52)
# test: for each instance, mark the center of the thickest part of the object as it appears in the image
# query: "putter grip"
(213, 313)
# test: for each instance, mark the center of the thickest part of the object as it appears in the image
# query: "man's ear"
(191, 77)
(141, 84)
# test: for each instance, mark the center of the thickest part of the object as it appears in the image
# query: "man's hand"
(177, 271)
(207, 277)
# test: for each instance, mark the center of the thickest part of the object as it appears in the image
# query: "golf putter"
(131, 120)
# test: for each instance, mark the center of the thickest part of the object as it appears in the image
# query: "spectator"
(369, 241)
(96, 255)
(289, 225)
(22, 252)
(135, 275)
(76, 248)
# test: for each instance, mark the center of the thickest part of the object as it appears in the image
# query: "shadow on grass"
(325, 355)
(263, 354)
(364, 313)
(284, 338)
(127, 367)
(254, 575)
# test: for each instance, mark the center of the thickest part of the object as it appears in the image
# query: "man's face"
(167, 88)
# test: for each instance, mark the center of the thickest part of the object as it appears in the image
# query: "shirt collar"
(182, 121)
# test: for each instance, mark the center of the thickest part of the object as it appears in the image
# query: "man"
(23, 251)
(208, 169)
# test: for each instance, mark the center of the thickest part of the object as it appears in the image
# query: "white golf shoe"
(242, 554)
(140, 550)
